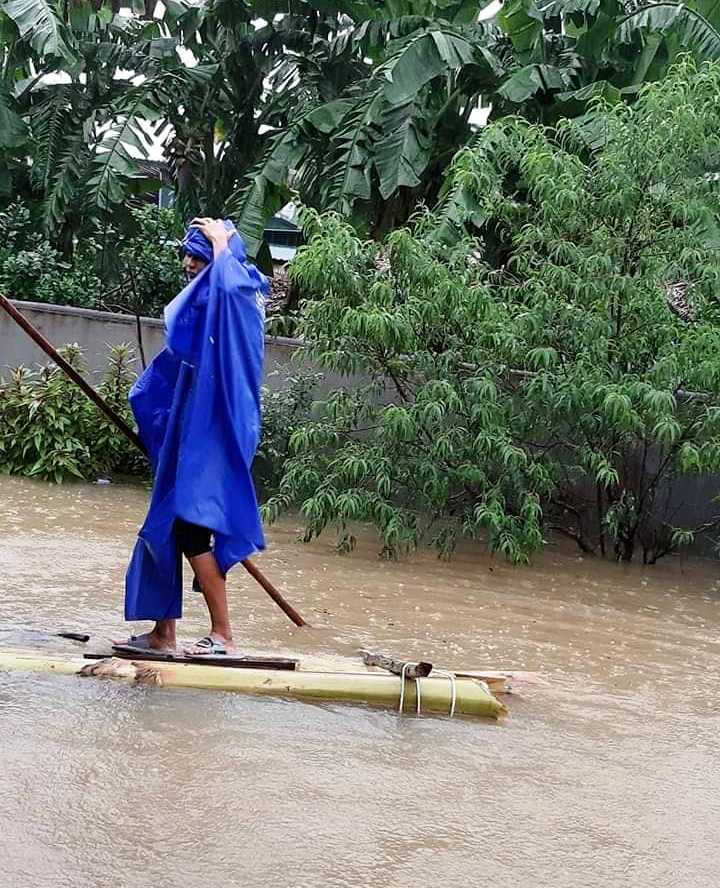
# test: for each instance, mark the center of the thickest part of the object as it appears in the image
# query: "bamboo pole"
(132, 436)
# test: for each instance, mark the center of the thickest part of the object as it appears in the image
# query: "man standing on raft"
(197, 408)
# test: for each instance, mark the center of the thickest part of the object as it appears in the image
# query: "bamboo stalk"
(132, 436)
(378, 689)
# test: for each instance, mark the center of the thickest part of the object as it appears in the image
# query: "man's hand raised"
(215, 231)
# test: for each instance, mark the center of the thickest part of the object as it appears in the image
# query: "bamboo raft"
(440, 693)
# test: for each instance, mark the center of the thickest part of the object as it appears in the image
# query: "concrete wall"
(97, 331)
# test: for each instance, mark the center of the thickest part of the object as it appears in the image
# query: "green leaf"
(13, 130)
(667, 431)
(423, 58)
(39, 24)
(594, 41)
(617, 406)
(606, 475)
(402, 155)
(689, 458)
(691, 28)
(522, 23)
(533, 79)
(348, 169)
(327, 117)
(266, 189)
(163, 48)
(600, 89)
(592, 129)
(682, 537)
(542, 358)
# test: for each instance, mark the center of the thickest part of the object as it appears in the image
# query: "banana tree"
(377, 150)
(82, 91)
(86, 93)
(570, 52)
(222, 128)
(353, 106)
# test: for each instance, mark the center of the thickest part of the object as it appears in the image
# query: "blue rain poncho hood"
(196, 244)
(197, 408)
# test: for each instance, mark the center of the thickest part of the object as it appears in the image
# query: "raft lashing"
(440, 693)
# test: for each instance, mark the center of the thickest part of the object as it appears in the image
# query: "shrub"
(49, 429)
(32, 269)
(144, 265)
(138, 272)
(283, 412)
(111, 448)
(44, 423)
(546, 382)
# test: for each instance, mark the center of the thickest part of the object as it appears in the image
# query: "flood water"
(604, 774)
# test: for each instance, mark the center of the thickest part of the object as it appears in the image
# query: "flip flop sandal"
(207, 647)
(140, 644)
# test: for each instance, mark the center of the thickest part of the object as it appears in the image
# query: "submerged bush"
(49, 428)
(554, 381)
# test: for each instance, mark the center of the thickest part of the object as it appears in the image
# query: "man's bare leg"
(160, 638)
(162, 635)
(212, 583)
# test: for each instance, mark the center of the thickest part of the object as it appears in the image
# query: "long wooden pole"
(120, 423)
(279, 600)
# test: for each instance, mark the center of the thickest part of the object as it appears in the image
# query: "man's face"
(192, 266)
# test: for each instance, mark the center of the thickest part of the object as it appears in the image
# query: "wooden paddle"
(131, 435)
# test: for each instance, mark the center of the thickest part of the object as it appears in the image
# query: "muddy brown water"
(606, 772)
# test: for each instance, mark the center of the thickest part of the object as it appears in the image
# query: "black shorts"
(193, 539)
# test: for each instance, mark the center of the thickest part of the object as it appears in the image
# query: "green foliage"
(284, 411)
(49, 429)
(527, 372)
(137, 272)
(375, 147)
(357, 107)
(111, 450)
(143, 265)
(32, 269)
(78, 127)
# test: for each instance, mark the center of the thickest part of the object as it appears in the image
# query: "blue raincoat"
(197, 408)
